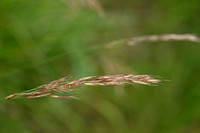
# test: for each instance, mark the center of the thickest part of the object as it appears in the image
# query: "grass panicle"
(153, 38)
(62, 85)
(75, 5)
(165, 37)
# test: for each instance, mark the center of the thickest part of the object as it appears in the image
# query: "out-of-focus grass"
(41, 41)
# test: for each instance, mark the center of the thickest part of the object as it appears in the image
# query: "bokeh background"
(41, 41)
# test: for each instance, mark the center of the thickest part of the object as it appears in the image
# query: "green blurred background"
(41, 41)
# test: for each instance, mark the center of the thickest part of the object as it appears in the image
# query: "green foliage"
(41, 41)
